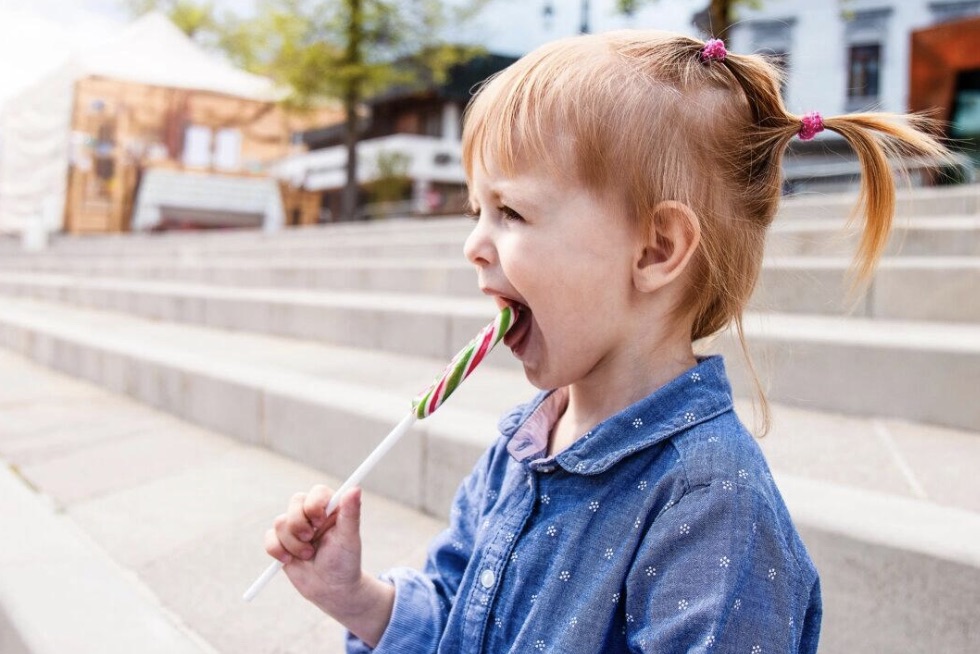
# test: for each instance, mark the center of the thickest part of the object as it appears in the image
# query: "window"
(863, 73)
(774, 38)
(965, 123)
(865, 32)
(947, 11)
(228, 149)
(197, 147)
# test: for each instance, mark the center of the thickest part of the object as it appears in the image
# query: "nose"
(479, 248)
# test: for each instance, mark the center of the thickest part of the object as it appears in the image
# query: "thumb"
(349, 515)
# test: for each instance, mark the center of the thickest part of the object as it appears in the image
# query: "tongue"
(519, 330)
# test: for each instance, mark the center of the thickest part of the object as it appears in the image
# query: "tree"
(714, 20)
(321, 50)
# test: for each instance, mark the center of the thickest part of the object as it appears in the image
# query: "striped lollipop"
(463, 364)
(422, 406)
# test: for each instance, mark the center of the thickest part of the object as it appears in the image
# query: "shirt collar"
(697, 395)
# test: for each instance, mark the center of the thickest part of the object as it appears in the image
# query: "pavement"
(130, 531)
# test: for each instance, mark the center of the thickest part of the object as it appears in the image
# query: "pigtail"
(879, 140)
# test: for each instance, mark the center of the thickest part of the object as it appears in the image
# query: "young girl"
(622, 185)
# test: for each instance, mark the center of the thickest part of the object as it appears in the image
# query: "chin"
(543, 380)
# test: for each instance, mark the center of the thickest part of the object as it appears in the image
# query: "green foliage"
(305, 45)
(392, 182)
(197, 19)
(720, 13)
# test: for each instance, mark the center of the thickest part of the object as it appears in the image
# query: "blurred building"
(146, 132)
(856, 55)
(409, 153)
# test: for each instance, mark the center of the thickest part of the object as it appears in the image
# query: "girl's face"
(562, 254)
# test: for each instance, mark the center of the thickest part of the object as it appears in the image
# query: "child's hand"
(321, 555)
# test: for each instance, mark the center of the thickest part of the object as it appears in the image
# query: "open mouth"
(517, 335)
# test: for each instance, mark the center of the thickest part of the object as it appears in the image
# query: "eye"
(510, 214)
(473, 213)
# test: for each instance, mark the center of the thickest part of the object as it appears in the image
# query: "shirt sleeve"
(713, 574)
(423, 598)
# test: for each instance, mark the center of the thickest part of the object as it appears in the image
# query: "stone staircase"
(313, 341)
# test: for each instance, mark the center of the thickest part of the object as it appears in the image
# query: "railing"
(429, 158)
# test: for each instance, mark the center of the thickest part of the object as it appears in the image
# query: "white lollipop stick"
(428, 401)
(353, 480)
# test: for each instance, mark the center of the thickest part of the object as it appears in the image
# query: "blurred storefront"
(147, 132)
(945, 79)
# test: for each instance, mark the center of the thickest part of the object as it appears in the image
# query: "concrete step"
(423, 325)
(940, 289)
(888, 509)
(949, 235)
(324, 405)
(455, 276)
(952, 235)
(910, 202)
(905, 288)
(923, 371)
(302, 241)
(919, 371)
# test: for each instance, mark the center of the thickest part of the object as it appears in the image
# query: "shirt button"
(487, 578)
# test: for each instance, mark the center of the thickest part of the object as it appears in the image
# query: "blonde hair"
(641, 113)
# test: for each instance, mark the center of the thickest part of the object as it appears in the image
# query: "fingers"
(349, 517)
(296, 531)
(315, 507)
(274, 548)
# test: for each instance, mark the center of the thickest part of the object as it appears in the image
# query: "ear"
(667, 247)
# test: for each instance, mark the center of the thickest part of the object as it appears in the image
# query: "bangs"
(532, 112)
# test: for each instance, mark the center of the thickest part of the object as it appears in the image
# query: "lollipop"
(422, 406)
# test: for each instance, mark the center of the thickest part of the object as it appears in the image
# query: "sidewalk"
(135, 532)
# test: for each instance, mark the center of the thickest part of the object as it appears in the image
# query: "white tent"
(35, 124)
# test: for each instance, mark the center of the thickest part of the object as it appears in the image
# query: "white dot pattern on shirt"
(682, 605)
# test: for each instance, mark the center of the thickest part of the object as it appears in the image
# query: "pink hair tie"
(812, 124)
(714, 50)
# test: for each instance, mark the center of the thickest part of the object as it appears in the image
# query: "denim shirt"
(660, 530)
